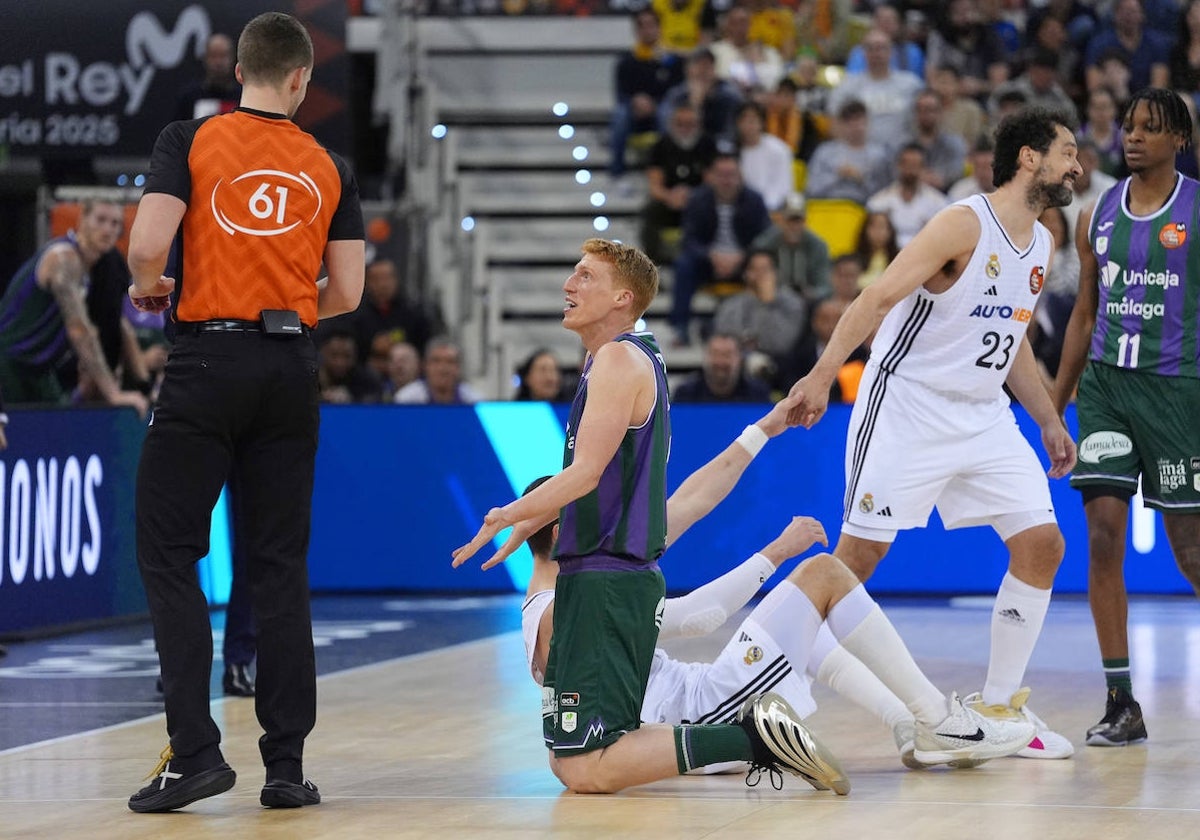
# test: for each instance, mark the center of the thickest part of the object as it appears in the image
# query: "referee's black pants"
(241, 405)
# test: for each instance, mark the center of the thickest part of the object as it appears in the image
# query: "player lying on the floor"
(860, 654)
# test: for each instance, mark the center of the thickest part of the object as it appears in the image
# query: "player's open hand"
(811, 399)
(1061, 449)
(493, 524)
(801, 534)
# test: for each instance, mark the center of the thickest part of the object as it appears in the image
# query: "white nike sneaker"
(966, 737)
(1046, 743)
(905, 733)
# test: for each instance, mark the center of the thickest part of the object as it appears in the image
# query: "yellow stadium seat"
(837, 221)
(799, 175)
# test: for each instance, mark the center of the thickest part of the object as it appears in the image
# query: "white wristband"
(752, 439)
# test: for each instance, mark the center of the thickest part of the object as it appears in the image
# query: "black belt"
(225, 325)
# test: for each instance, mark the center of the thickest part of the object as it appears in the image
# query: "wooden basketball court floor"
(446, 744)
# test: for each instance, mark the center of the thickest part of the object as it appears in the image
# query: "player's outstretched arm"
(947, 235)
(706, 608)
(704, 489)
(617, 379)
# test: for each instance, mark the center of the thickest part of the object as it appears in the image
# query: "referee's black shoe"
(178, 784)
(238, 681)
(277, 793)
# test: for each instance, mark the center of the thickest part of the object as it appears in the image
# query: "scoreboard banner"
(87, 79)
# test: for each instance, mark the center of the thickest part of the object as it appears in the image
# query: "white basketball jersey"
(964, 340)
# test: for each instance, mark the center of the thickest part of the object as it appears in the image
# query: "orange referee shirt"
(263, 199)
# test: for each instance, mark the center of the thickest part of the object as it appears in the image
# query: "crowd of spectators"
(788, 109)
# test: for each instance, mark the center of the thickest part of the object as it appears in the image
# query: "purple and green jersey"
(624, 519)
(31, 325)
(1148, 317)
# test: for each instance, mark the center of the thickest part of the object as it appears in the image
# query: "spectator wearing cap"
(801, 257)
(848, 166)
(766, 160)
(1039, 84)
(716, 100)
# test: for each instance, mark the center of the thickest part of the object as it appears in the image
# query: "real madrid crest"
(753, 654)
(993, 266)
(867, 503)
(1037, 278)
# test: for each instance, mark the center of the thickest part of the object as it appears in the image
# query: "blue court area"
(64, 685)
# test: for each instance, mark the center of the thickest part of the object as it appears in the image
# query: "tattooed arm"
(61, 272)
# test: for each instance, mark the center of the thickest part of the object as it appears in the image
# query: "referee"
(247, 206)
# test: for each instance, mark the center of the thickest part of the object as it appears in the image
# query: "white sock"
(1017, 622)
(862, 628)
(834, 666)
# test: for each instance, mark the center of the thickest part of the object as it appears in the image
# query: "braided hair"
(1167, 107)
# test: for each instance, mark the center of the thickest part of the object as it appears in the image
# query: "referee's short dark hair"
(271, 46)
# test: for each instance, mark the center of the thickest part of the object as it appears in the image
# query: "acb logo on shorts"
(265, 202)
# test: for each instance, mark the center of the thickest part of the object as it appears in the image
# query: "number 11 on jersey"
(1127, 350)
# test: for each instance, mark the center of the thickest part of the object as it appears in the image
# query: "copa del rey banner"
(102, 78)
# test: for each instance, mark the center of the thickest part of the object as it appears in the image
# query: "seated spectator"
(876, 247)
(722, 377)
(1039, 84)
(1184, 61)
(219, 91)
(845, 279)
(980, 179)
(1048, 32)
(825, 317)
(1007, 102)
(716, 100)
(751, 65)
(721, 220)
(403, 367)
(812, 96)
(849, 165)
(539, 379)
(799, 129)
(441, 381)
(905, 55)
(385, 308)
(1143, 51)
(962, 38)
(887, 94)
(767, 318)
(961, 114)
(1103, 130)
(340, 377)
(766, 160)
(644, 74)
(801, 257)
(676, 167)
(945, 152)
(908, 200)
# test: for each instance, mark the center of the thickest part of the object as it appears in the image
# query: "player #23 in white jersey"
(964, 340)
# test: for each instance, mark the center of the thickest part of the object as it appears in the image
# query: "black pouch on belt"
(281, 322)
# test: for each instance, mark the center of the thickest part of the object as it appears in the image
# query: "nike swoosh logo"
(1105, 226)
(978, 736)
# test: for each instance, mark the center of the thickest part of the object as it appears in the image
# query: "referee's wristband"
(752, 439)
